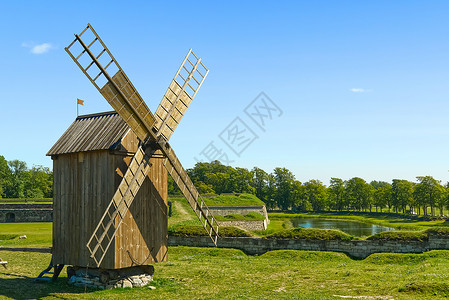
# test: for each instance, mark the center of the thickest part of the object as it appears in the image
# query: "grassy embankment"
(25, 201)
(208, 273)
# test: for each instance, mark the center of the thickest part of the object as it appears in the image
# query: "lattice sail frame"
(180, 93)
(104, 233)
(117, 89)
(124, 98)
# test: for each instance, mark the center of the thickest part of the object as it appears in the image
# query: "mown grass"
(226, 200)
(38, 234)
(252, 216)
(25, 200)
(233, 200)
(211, 273)
(182, 213)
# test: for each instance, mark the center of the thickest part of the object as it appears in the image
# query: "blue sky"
(362, 86)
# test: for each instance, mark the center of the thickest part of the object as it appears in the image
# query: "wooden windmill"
(151, 130)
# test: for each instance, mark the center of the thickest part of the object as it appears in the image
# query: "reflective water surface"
(358, 229)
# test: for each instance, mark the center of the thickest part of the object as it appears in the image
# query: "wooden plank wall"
(142, 238)
(84, 184)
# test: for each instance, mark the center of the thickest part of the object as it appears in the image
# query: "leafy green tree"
(299, 196)
(198, 173)
(442, 200)
(420, 195)
(219, 181)
(204, 189)
(243, 181)
(38, 183)
(377, 184)
(382, 196)
(371, 191)
(223, 179)
(284, 181)
(429, 192)
(259, 182)
(5, 176)
(336, 192)
(16, 186)
(358, 193)
(402, 194)
(316, 194)
(202, 168)
(270, 192)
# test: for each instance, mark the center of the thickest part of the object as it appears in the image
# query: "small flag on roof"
(80, 102)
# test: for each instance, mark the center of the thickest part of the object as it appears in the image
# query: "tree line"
(281, 190)
(278, 189)
(19, 181)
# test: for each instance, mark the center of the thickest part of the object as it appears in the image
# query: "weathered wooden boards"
(85, 183)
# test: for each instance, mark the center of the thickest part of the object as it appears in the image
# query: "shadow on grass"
(23, 287)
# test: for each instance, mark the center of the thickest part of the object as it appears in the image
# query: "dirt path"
(182, 213)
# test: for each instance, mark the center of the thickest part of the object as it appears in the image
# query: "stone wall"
(248, 225)
(239, 210)
(35, 212)
(356, 248)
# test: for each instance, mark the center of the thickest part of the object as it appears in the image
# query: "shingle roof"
(91, 132)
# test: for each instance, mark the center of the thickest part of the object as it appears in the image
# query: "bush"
(195, 230)
(400, 236)
(310, 234)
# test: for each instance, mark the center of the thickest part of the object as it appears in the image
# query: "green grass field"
(228, 200)
(38, 234)
(211, 273)
(208, 273)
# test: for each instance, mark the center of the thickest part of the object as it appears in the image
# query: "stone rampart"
(33, 212)
(355, 248)
(248, 225)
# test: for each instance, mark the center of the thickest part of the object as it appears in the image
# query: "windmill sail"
(117, 89)
(179, 95)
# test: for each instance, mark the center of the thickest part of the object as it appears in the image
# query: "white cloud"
(38, 49)
(359, 90)
(41, 49)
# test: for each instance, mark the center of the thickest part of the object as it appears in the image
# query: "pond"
(355, 228)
